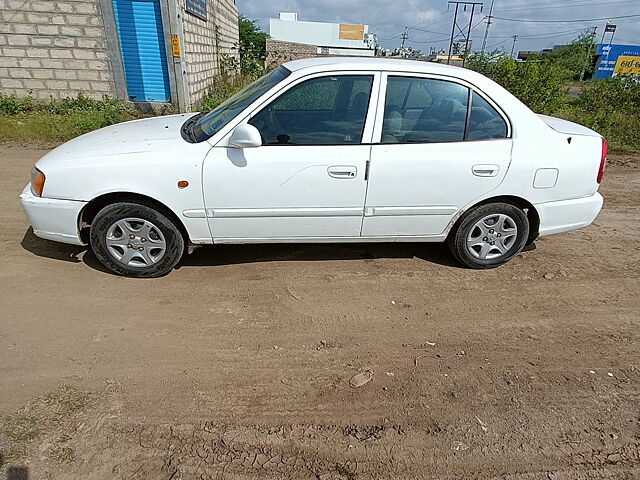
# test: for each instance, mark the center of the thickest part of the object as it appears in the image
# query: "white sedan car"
(325, 150)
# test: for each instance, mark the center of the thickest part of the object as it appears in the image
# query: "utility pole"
(455, 25)
(486, 31)
(589, 53)
(405, 36)
(453, 30)
(513, 47)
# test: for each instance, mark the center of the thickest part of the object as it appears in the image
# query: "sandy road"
(237, 364)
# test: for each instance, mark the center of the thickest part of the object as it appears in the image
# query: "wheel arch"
(89, 212)
(532, 214)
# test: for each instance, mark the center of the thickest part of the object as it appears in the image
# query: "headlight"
(37, 182)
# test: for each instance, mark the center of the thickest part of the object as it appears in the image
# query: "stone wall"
(53, 49)
(279, 52)
(203, 40)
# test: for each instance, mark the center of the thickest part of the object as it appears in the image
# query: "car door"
(307, 180)
(439, 144)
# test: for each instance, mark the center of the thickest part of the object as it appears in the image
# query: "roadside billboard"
(608, 56)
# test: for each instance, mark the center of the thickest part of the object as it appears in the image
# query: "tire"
(477, 242)
(135, 240)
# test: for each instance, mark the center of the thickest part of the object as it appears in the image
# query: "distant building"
(291, 39)
(164, 51)
(612, 60)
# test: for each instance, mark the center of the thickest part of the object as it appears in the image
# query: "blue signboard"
(608, 57)
(197, 8)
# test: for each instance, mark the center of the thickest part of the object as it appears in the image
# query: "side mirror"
(245, 136)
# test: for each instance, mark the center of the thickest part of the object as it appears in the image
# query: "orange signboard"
(175, 46)
(627, 65)
(351, 32)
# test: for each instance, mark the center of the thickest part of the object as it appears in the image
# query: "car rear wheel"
(136, 240)
(490, 235)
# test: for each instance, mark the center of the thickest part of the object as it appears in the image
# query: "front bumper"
(52, 219)
(566, 215)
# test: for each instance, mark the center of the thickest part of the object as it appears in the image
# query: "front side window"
(208, 124)
(321, 111)
(424, 110)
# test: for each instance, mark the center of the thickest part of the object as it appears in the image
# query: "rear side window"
(421, 110)
(485, 123)
(321, 111)
(425, 110)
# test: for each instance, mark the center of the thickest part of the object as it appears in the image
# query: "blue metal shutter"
(139, 26)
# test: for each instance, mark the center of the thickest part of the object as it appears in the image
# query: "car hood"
(566, 127)
(144, 136)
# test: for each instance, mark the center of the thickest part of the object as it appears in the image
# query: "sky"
(430, 23)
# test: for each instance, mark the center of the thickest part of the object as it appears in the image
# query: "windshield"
(210, 123)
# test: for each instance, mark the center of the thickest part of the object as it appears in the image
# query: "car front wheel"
(136, 240)
(490, 235)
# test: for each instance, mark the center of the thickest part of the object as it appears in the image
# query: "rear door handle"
(486, 170)
(342, 171)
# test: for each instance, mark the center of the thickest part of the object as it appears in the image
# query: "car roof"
(374, 63)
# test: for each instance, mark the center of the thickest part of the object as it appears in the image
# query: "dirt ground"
(237, 364)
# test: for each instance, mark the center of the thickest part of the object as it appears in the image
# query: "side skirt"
(407, 239)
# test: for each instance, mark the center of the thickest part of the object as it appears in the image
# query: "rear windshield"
(210, 123)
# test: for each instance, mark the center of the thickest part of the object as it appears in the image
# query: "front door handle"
(342, 171)
(486, 170)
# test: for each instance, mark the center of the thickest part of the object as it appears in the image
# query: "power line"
(566, 21)
(442, 33)
(534, 36)
(548, 7)
(567, 3)
(499, 43)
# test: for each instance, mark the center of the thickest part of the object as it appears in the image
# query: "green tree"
(253, 48)
(577, 57)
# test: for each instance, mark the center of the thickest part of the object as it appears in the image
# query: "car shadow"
(238, 254)
(49, 249)
(221, 255)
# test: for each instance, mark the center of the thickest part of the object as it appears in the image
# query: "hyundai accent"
(325, 150)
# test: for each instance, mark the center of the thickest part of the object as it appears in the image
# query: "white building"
(328, 38)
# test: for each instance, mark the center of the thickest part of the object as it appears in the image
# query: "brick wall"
(200, 46)
(279, 52)
(53, 49)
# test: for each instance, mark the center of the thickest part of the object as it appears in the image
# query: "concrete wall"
(59, 48)
(203, 40)
(54, 49)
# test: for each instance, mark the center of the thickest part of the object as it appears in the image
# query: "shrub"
(612, 108)
(223, 87)
(12, 105)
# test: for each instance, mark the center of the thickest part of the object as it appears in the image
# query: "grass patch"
(58, 120)
(346, 472)
(61, 453)
(39, 418)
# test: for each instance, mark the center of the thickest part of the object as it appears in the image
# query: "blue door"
(144, 56)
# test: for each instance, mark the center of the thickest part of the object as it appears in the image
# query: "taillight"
(37, 182)
(603, 161)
